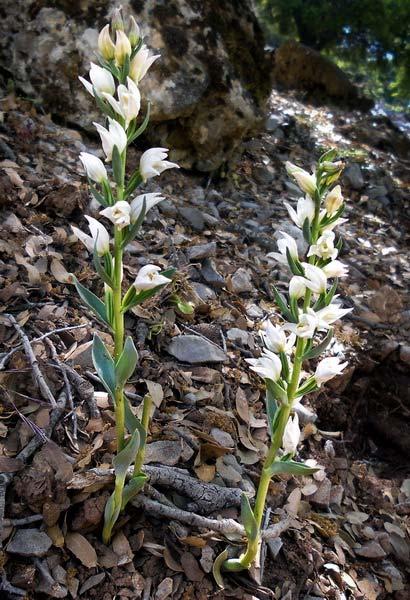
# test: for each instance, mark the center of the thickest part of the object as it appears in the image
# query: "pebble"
(240, 282)
(222, 437)
(321, 497)
(204, 292)
(405, 354)
(238, 335)
(29, 542)
(371, 550)
(211, 275)
(193, 349)
(263, 175)
(336, 496)
(201, 251)
(354, 176)
(254, 311)
(194, 217)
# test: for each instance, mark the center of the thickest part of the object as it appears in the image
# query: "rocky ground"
(348, 530)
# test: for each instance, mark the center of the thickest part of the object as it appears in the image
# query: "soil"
(351, 544)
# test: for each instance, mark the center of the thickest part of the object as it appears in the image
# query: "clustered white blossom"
(311, 307)
(121, 104)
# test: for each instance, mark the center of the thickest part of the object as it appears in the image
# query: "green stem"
(146, 415)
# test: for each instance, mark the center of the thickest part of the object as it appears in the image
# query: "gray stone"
(201, 251)
(29, 542)
(263, 175)
(254, 311)
(354, 177)
(238, 335)
(321, 498)
(377, 192)
(405, 354)
(240, 282)
(193, 349)
(222, 437)
(193, 216)
(371, 550)
(204, 292)
(273, 122)
(211, 275)
(167, 208)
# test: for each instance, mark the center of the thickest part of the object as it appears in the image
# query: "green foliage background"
(368, 38)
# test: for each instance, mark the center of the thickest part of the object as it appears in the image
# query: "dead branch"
(38, 375)
(206, 497)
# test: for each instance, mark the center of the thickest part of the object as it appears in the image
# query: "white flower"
(105, 43)
(267, 366)
(306, 326)
(129, 101)
(119, 214)
(305, 181)
(99, 237)
(305, 209)
(101, 80)
(274, 338)
(141, 63)
(297, 287)
(114, 136)
(153, 163)
(328, 368)
(331, 313)
(149, 277)
(94, 167)
(315, 278)
(150, 201)
(291, 435)
(284, 243)
(334, 200)
(324, 247)
(335, 269)
(122, 48)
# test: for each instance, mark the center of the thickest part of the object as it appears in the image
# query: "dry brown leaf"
(10, 465)
(59, 271)
(155, 391)
(205, 472)
(242, 406)
(170, 561)
(166, 452)
(191, 567)
(122, 549)
(81, 548)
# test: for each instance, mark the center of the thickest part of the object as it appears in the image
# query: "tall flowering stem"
(305, 316)
(124, 61)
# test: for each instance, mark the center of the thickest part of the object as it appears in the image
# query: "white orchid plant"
(114, 86)
(306, 315)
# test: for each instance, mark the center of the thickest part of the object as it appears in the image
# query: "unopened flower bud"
(332, 167)
(334, 200)
(117, 23)
(134, 33)
(305, 181)
(105, 44)
(122, 48)
(297, 287)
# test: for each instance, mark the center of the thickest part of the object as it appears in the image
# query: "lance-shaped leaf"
(271, 404)
(294, 264)
(331, 292)
(117, 168)
(310, 385)
(126, 363)
(248, 519)
(276, 390)
(290, 467)
(132, 488)
(217, 566)
(137, 48)
(101, 199)
(134, 181)
(92, 301)
(314, 352)
(285, 365)
(104, 365)
(134, 228)
(125, 458)
(306, 231)
(283, 306)
(143, 125)
(100, 269)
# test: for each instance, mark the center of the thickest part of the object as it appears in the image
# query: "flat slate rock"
(29, 542)
(193, 349)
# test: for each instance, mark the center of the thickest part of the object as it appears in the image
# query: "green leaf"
(216, 568)
(328, 156)
(133, 229)
(92, 301)
(126, 456)
(143, 125)
(290, 467)
(314, 352)
(248, 519)
(100, 269)
(285, 365)
(105, 108)
(271, 404)
(294, 264)
(132, 488)
(134, 181)
(104, 365)
(276, 390)
(309, 385)
(283, 306)
(306, 230)
(125, 366)
(111, 512)
(184, 307)
(97, 195)
(331, 292)
(117, 168)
